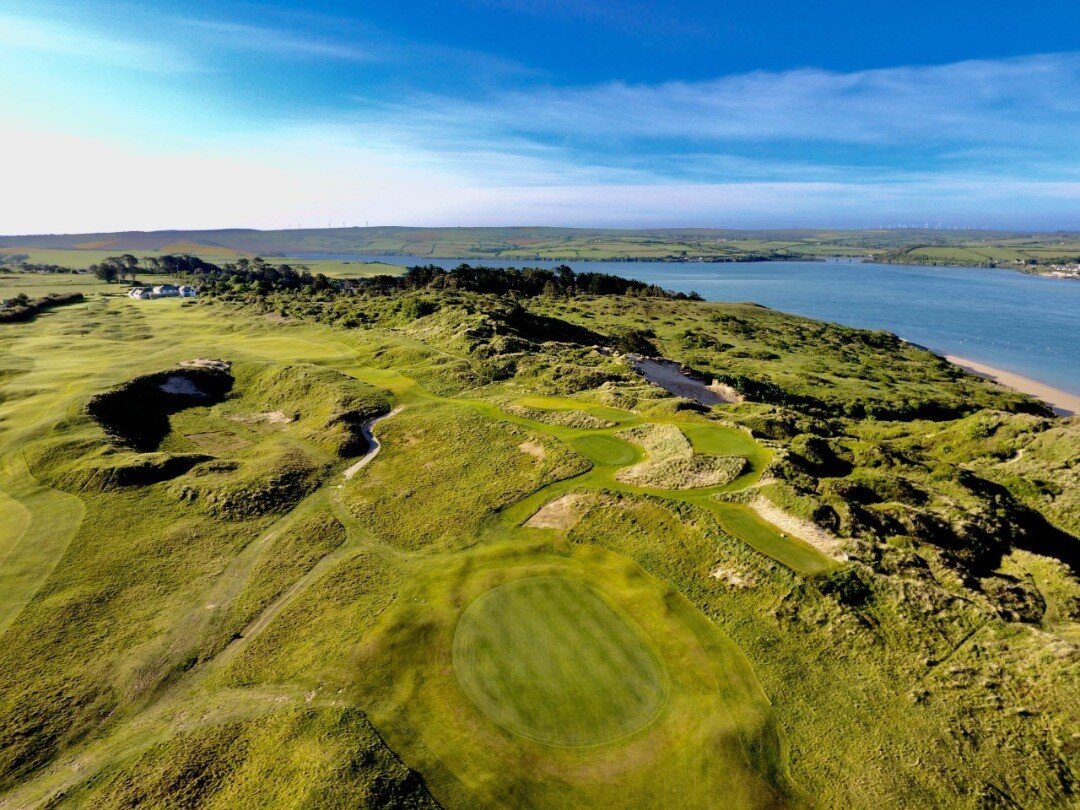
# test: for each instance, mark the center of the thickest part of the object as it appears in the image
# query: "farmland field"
(908, 245)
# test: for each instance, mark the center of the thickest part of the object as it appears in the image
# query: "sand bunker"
(533, 449)
(563, 513)
(803, 529)
(675, 379)
(183, 386)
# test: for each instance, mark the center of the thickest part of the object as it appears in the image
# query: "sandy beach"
(1063, 403)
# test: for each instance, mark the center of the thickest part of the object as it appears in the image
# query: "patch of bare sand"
(676, 379)
(267, 417)
(813, 534)
(208, 363)
(1061, 402)
(732, 577)
(534, 449)
(563, 513)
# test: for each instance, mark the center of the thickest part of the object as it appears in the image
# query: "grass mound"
(330, 407)
(270, 481)
(658, 441)
(571, 419)
(548, 658)
(508, 673)
(25, 308)
(118, 470)
(672, 462)
(327, 757)
(684, 473)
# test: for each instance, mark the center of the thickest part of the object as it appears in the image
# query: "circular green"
(547, 658)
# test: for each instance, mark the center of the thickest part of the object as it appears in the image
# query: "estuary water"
(1029, 325)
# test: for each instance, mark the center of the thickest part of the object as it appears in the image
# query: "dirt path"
(373, 444)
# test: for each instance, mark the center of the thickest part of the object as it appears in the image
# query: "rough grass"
(658, 441)
(671, 462)
(684, 473)
(569, 418)
(450, 456)
(297, 758)
(289, 556)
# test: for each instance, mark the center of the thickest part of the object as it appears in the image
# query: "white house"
(140, 293)
(187, 292)
(166, 291)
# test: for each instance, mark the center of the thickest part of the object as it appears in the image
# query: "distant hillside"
(990, 248)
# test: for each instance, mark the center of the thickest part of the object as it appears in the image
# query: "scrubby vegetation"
(199, 609)
(22, 307)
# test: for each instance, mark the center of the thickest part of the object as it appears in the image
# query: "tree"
(130, 266)
(106, 271)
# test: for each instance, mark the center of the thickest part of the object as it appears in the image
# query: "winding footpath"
(368, 429)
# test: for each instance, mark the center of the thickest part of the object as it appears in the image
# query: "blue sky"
(277, 114)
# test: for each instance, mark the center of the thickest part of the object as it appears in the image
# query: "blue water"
(1026, 324)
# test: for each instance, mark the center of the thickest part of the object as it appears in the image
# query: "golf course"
(555, 584)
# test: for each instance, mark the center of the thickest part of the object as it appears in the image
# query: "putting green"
(603, 449)
(519, 675)
(547, 658)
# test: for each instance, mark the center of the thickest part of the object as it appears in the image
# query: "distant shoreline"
(1061, 402)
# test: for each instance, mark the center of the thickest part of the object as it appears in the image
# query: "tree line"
(529, 282)
(261, 277)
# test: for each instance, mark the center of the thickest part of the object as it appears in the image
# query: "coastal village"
(1071, 270)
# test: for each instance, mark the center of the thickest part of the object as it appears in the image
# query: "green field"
(911, 245)
(198, 608)
(81, 259)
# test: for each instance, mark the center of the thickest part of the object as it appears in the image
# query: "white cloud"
(1033, 99)
(274, 41)
(31, 34)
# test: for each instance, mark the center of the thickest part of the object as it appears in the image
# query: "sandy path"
(373, 443)
(1062, 402)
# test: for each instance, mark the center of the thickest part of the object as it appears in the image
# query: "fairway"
(549, 659)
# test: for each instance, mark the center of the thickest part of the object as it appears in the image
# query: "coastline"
(1061, 402)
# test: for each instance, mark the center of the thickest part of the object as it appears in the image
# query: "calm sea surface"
(1029, 325)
